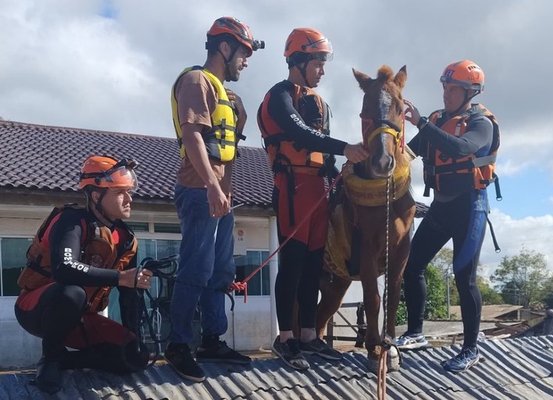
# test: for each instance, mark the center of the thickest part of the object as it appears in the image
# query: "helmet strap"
(97, 209)
(466, 101)
(226, 61)
(302, 67)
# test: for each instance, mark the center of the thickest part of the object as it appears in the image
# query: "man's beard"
(231, 76)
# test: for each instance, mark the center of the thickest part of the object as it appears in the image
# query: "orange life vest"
(283, 154)
(99, 249)
(447, 174)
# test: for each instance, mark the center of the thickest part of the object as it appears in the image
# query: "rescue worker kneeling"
(76, 257)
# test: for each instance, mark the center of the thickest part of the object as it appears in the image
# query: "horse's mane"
(385, 73)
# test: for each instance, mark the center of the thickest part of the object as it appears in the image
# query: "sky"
(109, 65)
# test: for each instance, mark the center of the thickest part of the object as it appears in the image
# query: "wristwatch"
(423, 121)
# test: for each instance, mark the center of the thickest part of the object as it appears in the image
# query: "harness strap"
(498, 195)
(468, 164)
(494, 239)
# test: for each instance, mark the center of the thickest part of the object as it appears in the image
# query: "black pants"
(298, 279)
(463, 220)
(56, 313)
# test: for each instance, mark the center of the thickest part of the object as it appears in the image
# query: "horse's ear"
(362, 78)
(401, 77)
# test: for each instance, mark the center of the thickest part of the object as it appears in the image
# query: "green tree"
(444, 261)
(547, 293)
(521, 279)
(436, 302)
(489, 294)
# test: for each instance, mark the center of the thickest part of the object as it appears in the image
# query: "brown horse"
(371, 220)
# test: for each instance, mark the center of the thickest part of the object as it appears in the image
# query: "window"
(13, 252)
(167, 228)
(138, 226)
(259, 284)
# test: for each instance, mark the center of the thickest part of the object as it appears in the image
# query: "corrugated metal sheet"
(512, 369)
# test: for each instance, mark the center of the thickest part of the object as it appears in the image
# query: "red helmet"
(464, 73)
(107, 172)
(238, 30)
(308, 41)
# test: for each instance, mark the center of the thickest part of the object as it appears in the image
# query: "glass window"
(138, 226)
(259, 284)
(167, 228)
(13, 257)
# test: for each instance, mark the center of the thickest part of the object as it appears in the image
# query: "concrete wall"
(17, 347)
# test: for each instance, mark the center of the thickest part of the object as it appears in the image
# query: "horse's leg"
(371, 300)
(333, 289)
(395, 275)
(398, 262)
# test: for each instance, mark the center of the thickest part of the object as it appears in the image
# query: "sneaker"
(290, 353)
(410, 341)
(220, 352)
(319, 347)
(180, 357)
(462, 361)
(48, 375)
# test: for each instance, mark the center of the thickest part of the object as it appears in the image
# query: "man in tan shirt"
(208, 120)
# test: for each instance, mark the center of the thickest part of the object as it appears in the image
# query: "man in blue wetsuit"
(458, 146)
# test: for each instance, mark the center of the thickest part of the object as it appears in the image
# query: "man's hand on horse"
(411, 112)
(355, 152)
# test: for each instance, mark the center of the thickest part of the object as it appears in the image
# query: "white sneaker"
(410, 341)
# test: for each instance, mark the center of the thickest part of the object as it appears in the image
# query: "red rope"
(243, 286)
(381, 374)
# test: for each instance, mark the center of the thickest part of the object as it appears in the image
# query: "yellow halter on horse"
(372, 192)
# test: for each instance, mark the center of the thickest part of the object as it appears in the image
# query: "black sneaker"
(48, 375)
(220, 352)
(319, 347)
(290, 353)
(180, 357)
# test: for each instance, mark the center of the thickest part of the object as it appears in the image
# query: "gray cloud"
(64, 64)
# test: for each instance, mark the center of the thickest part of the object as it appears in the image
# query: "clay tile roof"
(49, 158)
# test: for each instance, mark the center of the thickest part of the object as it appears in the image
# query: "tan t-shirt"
(197, 98)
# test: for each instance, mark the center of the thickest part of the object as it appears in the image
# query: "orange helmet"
(464, 73)
(107, 172)
(308, 41)
(236, 29)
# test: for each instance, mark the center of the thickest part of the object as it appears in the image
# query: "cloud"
(110, 65)
(532, 233)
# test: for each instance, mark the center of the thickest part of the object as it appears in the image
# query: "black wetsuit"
(459, 215)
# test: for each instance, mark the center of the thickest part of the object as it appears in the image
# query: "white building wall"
(251, 325)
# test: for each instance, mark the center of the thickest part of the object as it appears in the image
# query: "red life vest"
(283, 154)
(447, 174)
(99, 249)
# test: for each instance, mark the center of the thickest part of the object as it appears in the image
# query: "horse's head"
(382, 121)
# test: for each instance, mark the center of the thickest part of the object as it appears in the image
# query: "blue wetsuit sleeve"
(478, 135)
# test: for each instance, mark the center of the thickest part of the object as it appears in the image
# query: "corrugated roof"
(512, 369)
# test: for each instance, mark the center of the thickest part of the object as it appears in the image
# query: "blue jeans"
(206, 266)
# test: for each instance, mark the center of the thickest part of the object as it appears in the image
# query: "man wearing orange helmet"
(209, 120)
(458, 145)
(293, 120)
(76, 257)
